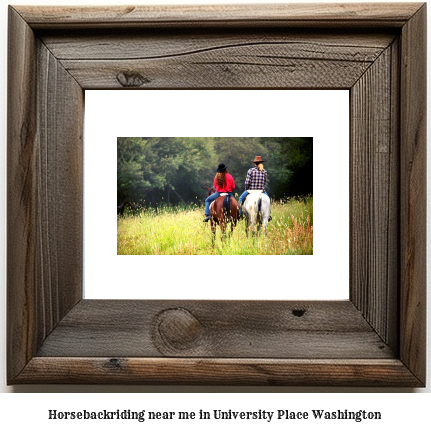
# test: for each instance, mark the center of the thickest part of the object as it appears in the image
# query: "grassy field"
(180, 231)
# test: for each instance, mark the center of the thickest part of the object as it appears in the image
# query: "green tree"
(290, 162)
(154, 170)
(238, 153)
(130, 181)
(163, 169)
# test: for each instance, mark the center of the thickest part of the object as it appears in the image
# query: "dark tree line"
(154, 170)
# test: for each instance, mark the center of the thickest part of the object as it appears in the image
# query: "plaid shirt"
(255, 179)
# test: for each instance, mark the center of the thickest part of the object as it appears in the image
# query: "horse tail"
(226, 204)
(259, 207)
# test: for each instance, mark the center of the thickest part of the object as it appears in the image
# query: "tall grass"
(180, 231)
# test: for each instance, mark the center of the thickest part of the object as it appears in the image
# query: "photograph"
(214, 195)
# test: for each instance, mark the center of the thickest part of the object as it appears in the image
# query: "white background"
(401, 409)
(323, 115)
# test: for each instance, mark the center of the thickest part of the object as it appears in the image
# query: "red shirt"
(229, 186)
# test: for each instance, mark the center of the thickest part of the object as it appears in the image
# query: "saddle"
(251, 191)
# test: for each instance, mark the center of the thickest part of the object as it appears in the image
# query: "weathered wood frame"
(376, 338)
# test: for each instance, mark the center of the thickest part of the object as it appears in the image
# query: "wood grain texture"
(217, 371)
(44, 193)
(413, 194)
(300, 14)
(59, 245)
(206, 60)
(374, 193)
(346, 45)
(240, 329)
(53, 336)
(21, 194)
(210, 59)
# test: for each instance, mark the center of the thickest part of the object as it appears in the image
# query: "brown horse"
(224, 209)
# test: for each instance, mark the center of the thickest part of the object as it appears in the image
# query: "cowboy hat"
(258, 159)
(221, 168)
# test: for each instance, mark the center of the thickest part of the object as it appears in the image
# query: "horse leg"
(222, 227)
(261, 227)
(232, 224)
(265, 227)
(253, 228)
(213, 230)
(233, 215)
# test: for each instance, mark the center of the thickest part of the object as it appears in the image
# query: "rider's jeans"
(209, 200)
(241, 200)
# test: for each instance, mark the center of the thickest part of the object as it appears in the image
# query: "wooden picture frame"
(376, 338)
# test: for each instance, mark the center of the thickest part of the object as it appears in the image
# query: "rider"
(223, 182)
(255, 180)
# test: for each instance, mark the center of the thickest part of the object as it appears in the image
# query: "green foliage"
(131, 184)
(291, 162)
(156, 170)
(173, 170)
(238, 153)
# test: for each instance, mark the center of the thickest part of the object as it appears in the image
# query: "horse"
(256, 209)
(224, 209)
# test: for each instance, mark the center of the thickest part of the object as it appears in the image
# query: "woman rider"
(223, 182)
(255, 180)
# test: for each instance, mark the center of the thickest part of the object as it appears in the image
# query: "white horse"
(256, 209)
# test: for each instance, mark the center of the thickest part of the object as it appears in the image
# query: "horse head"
(210, 190)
